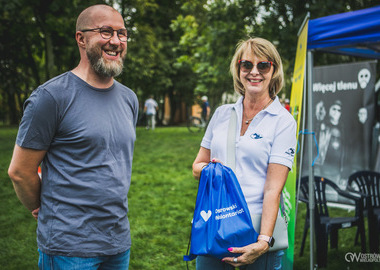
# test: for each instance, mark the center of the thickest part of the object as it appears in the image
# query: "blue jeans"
(267, 261)
(114, 262)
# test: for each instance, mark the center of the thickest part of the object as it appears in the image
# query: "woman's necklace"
(249, 120)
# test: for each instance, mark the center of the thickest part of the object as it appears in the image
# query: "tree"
(151, 63)
(39, 44)
(177, 49)
(19, 68)
(210, 31)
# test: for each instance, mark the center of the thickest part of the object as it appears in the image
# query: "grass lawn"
(161, 203)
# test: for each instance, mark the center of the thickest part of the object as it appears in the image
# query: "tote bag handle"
(231, 151)
(231, 139)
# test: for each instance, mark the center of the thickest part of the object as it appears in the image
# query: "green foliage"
(38, 44)
(209, 33)
(18, 248)
(180, 49)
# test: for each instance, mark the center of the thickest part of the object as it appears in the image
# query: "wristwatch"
(268, 239)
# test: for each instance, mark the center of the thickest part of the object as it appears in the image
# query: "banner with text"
(343, 118)
(295, 109)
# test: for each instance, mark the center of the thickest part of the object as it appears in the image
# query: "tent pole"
(302, 144)
(305, 20)
(303, 125)
(310, 151)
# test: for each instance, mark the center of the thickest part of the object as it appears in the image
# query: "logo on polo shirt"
(290, 152)
(256, 136)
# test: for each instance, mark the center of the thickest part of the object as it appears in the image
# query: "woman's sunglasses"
(263, 67)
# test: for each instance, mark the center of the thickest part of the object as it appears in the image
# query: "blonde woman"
(265, 143)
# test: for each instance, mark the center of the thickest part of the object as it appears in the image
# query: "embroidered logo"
(256, 136)
(290, 152)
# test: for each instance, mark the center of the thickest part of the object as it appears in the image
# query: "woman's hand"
(201, 161)
(215, 160)
(249, 254)
(198, 167)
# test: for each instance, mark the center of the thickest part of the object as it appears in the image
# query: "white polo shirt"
(270, 138)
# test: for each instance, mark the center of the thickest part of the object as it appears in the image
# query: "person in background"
(205, 109)
(150, 109)
(287, 104)
(265, 143)
(81, 125)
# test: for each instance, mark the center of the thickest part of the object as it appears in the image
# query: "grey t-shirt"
(89, 136)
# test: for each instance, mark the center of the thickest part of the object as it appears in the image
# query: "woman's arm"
(276, 178)
(202, 160)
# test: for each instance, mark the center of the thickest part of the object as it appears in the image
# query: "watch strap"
(268, 239)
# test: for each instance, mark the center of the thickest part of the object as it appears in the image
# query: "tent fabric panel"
(347, 30)
(359, 52)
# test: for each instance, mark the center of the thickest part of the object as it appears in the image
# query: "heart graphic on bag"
(205, 215)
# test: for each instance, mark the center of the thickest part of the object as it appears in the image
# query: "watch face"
(271, 242)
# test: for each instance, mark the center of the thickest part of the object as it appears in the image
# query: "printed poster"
(343, 119)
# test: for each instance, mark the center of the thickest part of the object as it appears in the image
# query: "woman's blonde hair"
(261, 48)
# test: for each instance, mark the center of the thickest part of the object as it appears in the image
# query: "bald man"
(80, 127)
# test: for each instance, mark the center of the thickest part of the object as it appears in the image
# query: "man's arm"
(23, 172)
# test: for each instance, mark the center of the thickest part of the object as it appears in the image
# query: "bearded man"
(80, 127)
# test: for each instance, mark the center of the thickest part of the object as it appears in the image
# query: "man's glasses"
(263, 67)
(107, 32)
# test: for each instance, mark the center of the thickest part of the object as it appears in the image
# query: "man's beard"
(102, 67)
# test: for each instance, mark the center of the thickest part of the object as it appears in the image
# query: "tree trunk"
(13, 113)
(50, 68)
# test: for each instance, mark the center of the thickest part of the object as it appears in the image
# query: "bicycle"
(195, 124)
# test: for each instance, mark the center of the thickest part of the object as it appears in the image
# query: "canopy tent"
(355, 33)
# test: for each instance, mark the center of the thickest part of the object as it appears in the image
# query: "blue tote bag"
(221, 216)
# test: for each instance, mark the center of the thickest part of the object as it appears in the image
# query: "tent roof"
(354, 33)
